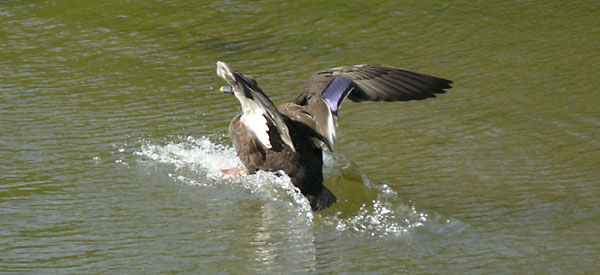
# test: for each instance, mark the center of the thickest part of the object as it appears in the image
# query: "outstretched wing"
(360, 83)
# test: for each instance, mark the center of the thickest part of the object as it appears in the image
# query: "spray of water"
(206, 160)
(365, 208)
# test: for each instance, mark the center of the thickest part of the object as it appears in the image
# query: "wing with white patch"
(315, 119)
(258, 110)
(256, 122)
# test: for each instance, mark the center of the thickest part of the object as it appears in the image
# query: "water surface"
(114, 133)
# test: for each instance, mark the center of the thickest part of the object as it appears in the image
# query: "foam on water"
(200, 154)
(206, 160)
(380, 213)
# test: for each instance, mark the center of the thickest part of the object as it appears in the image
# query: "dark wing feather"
(359, 83)
(371, 83)
(383, 83)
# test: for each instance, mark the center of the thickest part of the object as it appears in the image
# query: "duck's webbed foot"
(236, 171)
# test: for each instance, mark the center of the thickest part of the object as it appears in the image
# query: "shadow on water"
(363, 207)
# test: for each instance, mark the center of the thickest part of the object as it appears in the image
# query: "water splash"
(199, 161)
(200, 154)
(379, 219)
(363, 207)
(376, 209)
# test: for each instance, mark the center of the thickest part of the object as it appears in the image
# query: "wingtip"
(324, 199)
(225, 72)
(287, 139)
(329, 145)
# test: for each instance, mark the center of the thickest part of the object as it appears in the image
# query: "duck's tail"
(321, 200)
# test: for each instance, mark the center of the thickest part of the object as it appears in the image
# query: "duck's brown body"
(289, 138)
(304, 166)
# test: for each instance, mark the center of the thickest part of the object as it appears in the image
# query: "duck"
(291, 138)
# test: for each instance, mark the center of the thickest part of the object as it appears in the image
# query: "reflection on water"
(113, 133)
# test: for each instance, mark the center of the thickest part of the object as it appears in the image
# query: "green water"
(113, 132)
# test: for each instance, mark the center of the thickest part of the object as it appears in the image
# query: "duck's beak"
(239, 84)
(226, 90)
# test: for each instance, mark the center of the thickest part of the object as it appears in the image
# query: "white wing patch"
(255, 120)
(257, 123)
(330, 128)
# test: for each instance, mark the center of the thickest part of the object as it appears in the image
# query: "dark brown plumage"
(289, 138)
